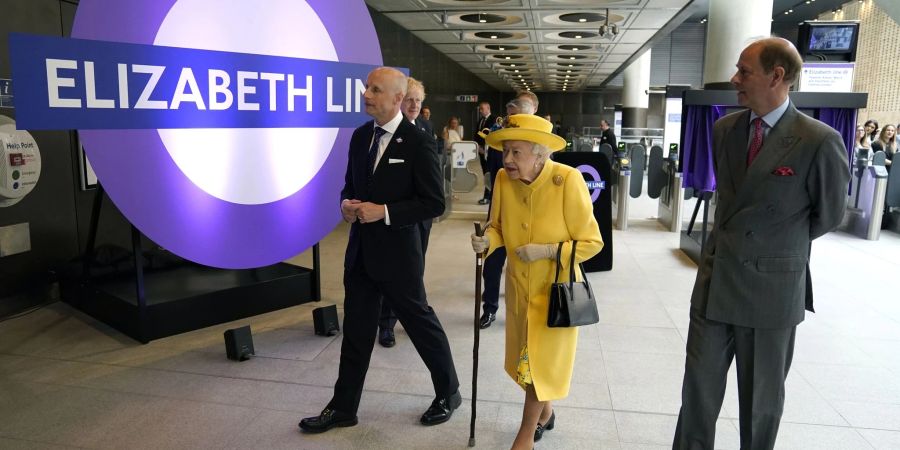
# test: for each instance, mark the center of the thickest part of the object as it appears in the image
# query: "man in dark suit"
(485, 120)
(412, 104)
(781, 182)
(392, 184)
(607, 136)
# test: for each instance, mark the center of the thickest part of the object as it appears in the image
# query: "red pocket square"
(783, 171)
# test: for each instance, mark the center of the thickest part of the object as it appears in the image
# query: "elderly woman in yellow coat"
(537, 204)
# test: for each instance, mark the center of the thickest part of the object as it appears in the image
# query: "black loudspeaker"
(239, 344)
(325, 320)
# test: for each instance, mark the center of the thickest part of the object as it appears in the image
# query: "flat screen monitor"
(829, 38)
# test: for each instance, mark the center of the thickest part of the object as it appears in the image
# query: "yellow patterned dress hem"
(523, 370)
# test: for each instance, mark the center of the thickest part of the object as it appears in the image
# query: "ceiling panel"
(480, 34)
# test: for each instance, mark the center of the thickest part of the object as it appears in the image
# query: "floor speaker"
(325, 320)
(239, 344)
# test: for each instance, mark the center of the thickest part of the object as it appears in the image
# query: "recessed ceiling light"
(517, 70)
(578, 36)
(508, 57)
(571, 65)
(582, 20)
(568, 71)
(571, 57)
(493, 36)
(512, 65)
(501, 48)
(786, 13)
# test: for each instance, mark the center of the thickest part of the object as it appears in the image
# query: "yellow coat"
(555, 207)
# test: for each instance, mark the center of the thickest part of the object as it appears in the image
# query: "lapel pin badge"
(398, 140)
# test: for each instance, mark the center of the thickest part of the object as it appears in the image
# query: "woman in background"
(887, 143)
(862, 147)
(453, 132)
(871, 127)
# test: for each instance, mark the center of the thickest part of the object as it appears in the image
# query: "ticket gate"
(864, 212)
(671, 194)
(462, 177)
(622, 175)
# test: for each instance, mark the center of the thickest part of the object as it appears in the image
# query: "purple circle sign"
(171, 198)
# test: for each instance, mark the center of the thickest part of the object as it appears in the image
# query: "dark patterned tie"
(757, 141)
(373, 151)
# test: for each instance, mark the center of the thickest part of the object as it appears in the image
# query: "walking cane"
(479, 260)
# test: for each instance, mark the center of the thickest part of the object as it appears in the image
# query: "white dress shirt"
(390, 128)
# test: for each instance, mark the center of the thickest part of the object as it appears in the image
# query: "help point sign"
(219, 128)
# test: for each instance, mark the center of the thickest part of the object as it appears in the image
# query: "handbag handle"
(571, 264)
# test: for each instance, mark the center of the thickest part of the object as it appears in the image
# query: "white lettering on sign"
(219, 95)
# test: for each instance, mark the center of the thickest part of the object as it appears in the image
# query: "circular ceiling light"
(574, 48)
(481, 18)
(500, 48)
(577, 34)
(494, 35)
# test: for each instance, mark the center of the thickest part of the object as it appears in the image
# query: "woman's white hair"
(540, 150)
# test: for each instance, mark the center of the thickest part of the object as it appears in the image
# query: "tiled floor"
(68, 381)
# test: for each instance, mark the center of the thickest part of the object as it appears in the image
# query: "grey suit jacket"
(755, 268)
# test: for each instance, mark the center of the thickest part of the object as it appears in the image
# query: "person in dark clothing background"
(485, 121)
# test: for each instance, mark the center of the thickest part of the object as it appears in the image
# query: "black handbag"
(571, 304)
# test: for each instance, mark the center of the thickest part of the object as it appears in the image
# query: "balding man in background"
(782, 182)
(392, 183)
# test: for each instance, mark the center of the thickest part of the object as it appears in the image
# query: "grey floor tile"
(20, 444)
(618, 338)
(645, 382)
(836, 382)
(882, 416)
(819, 437)
(659, 429)
(882, 440)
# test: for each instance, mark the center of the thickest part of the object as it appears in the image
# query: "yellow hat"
(526, 127)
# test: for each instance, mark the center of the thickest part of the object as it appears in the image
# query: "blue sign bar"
(85, 84)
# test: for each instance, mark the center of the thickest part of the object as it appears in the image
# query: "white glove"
(480, 244)
(533, 252)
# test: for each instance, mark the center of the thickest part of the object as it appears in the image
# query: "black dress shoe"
(539, 431)
(487, 319)
(484, 201)
(386, 338)
(327, 420)
(441, 409)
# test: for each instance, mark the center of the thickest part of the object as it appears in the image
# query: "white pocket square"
(395, 161)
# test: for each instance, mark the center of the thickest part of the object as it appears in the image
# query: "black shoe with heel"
(539, 431)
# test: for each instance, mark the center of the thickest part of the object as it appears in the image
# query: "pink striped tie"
(756, 143)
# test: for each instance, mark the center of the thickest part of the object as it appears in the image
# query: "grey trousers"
(763, 358)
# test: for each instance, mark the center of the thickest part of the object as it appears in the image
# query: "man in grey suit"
(782, 182)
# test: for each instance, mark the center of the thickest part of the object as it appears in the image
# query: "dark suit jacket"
(425, 126)
(486, 122)
(411, 189)
(754, 271)
(608, 137)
